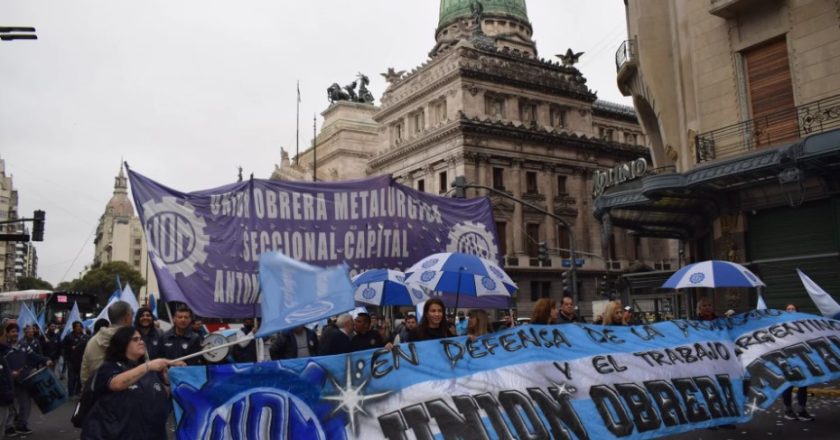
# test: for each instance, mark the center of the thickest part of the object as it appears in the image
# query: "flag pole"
(297, 130)
(314, 149)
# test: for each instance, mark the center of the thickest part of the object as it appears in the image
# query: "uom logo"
(264, 414)
(175, 235)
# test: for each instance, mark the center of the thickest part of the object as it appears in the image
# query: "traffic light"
(604, 286)
(565, 281)
(38, 225)
(542, 251)
(460, 185)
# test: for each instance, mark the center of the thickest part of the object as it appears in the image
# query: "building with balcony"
(487, 107)
(8, 211)
(741, 99)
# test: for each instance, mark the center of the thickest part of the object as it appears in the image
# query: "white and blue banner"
(296, 293)
(565, 381)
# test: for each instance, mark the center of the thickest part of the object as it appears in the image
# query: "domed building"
(485, 106)
(119, 237)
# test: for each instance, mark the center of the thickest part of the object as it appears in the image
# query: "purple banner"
(205, 245)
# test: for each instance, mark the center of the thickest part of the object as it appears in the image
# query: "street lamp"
(17, 33)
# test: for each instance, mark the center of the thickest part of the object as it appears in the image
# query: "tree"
(102, 281)
(27, 283)
(65, 286)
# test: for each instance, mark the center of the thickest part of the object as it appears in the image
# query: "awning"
(682, 205)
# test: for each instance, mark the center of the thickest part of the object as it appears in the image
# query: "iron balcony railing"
(784, 125)
(626, 52)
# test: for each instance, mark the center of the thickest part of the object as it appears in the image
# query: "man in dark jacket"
(365, 338)
(180, 340)
(567, 313)
(144, 322)
(74, 350)
(52, 343)
(22, 362)
(297, 343)
(338, 342)
(7, 386)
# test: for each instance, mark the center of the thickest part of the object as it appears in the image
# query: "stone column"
(518, 217)
(546, 181)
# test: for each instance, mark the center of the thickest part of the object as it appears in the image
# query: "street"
(769, 424)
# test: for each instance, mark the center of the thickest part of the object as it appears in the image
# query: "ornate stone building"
(742, 100)
(120, 237)
(486, 107)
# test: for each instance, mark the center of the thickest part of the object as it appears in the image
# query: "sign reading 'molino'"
(622, 173)
(205, 246)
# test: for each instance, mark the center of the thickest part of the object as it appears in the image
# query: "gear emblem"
(175, 235)
(473, 238)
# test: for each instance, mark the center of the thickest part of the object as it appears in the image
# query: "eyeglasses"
(136, 339)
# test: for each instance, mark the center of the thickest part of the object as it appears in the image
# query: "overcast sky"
(188, 90)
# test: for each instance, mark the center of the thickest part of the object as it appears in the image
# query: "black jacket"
(7, 385)
(174, 346)
(336, 343)
(73, 349)
(285, 345)
(371, 339)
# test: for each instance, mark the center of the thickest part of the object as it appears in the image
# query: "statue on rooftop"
(570, 58)
(348, 93)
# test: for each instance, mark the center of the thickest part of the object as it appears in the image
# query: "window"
(443, 184)
(418, 120)
(499, 178)
(531, 182)
(137, 252)
(630, 139)
(540, 289)
(501, 230)
(398, 132)
(494, 106)
(561, 185)
(527, 112)
(563, 242)
(605, 133)
(533, 239)
(558, 116)
(770, 92)
(421, 185)
(136, 241)
(439, 111)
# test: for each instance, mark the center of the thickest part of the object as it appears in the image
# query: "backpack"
(85, 403)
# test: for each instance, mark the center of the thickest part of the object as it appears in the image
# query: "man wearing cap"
(629, 317)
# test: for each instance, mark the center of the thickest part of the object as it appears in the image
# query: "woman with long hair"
(478, 324)
(433, 325)
(614, 313)
(545, 312)
(131, 393)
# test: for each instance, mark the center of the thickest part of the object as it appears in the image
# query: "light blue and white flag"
(25, 316)
(296, 293)
(827, 305)
(760, 304)
(71, 318)
(153, 305)
(128, 296)
(42, 319)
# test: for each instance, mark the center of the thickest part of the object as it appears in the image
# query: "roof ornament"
(348, 92)
(570, 58)
(392, 76)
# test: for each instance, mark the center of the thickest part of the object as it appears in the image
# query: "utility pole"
(460, 184)
(314, 149)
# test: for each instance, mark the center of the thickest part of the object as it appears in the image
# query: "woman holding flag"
(131, 394)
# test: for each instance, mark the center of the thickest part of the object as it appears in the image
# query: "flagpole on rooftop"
(297, 130)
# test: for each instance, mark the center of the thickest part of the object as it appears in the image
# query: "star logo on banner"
(562, 389)
(753, 407)
(351, 400)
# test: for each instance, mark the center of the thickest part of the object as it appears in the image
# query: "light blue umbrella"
(711, 274)
(385, 287)
(465, 275)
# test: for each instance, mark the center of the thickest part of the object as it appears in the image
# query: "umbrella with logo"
(472, 280)
(385, 287)
(712, 274)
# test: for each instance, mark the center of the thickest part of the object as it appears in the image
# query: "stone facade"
(495, 113)
(687, 66)
(8, 211)
(120, 237)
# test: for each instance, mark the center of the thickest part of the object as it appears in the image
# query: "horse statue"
(336, 93)
(365, 97)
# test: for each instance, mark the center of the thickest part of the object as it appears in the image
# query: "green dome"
(450, 10)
